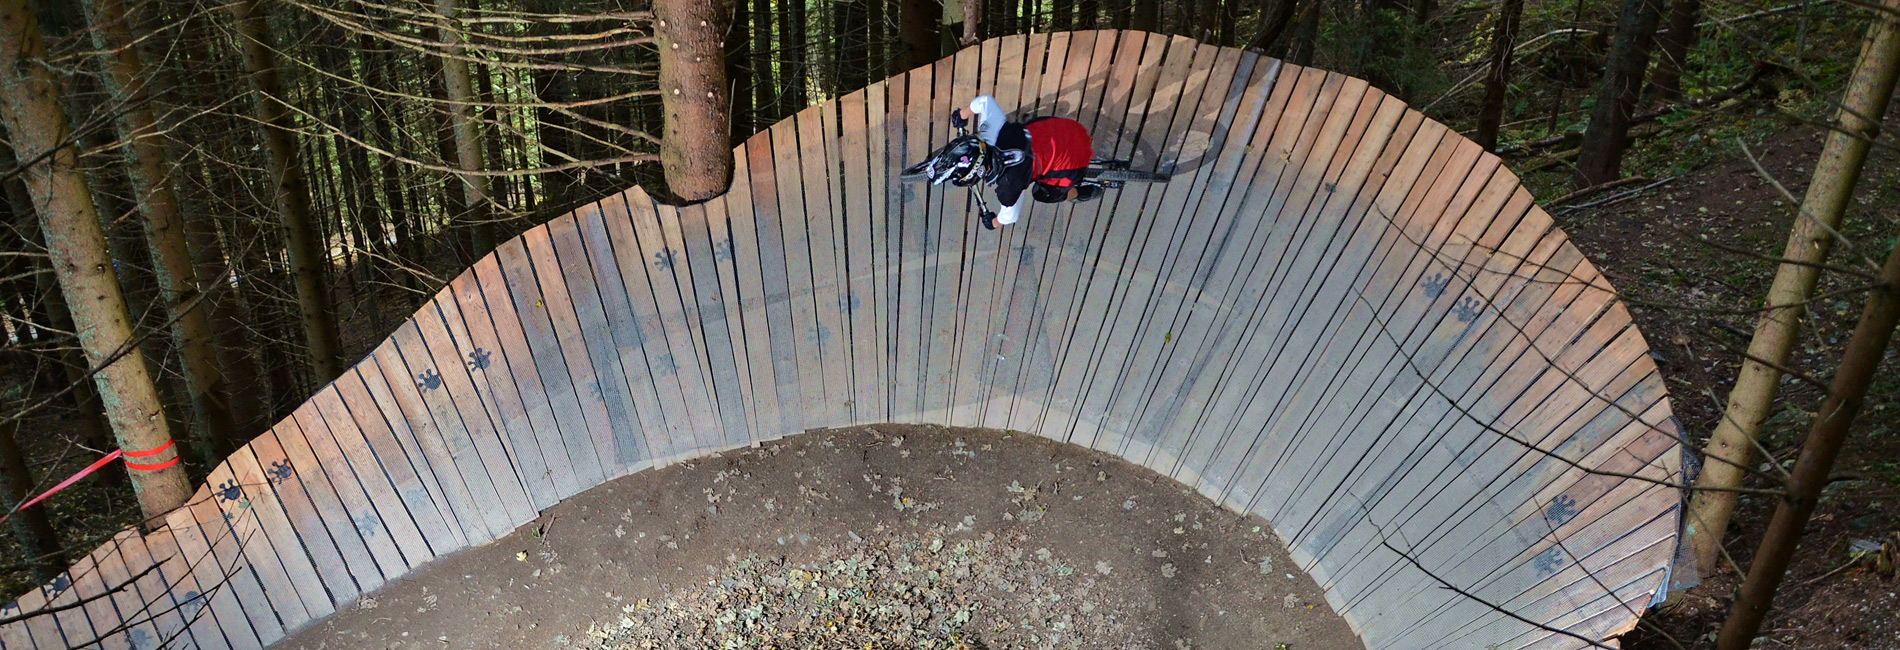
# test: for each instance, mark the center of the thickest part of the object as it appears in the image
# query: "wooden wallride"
(1339, 315)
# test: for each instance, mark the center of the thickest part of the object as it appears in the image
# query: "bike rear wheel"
(1128, 175)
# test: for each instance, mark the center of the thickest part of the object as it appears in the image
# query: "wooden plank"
(1475, 348)
(377, 432)
(1091, 362)
(1026, 255)
(72, 623)
(449, 368)
(999, 68)
(911, 226)
(775, 293)
(1334, 132)
(1194, 334)
(510, 288)
(720, 244)
(675, 286)
(825, 207)
(316, 449)
(410, 370)
(952, 224)
(1545, 414)
(746, 260)
(1529, 397)
(879, 134)
(235, 502)
(807, 332)
(348, 452)
(198, 623)
(862, 271)
(987, 269)
(599, 390)
(690, 233)
(163, 626)
(1327, 299)
(511, 389)
(134, 629)
(1135, 341)
(1266, 330)
(337, 557)
(242, 612)
(1370, 421)
(268, 510)
(1064, 92)
(1115, 68)
(495, 424)
(42, 629)
(89, 584)
(598, 274)
(661, 295)
(397, 397)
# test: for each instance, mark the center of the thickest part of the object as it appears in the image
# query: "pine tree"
(696, 149)
(309, 259)
(76, 244)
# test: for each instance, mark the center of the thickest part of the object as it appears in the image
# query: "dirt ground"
(977, 539)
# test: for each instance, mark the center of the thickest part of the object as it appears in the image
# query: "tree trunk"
(35, 532)
(1673, 52)
(696, 147)
(309, 258)
(148, 170)
(739, 70)
(764, 81)
(1601, 158)
(972, 23)
(1062, 15)
(849, 44)
(89, 413)
(917, 22)
(200, 85)
(1497, 80)
(1146, 16)
(1845, 396)
(1731, 447)
(1229, 32)
(1269, 39)
(877, 64)
(478, 213)
(1306, 35)
(76, 246)
(791, 55)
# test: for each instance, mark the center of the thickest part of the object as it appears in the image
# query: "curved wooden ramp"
(1339, 315)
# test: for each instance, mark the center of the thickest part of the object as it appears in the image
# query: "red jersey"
(1058, 144)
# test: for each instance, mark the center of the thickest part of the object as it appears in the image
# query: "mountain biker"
(1046, 156)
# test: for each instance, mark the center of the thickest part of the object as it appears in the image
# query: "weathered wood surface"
(1339, 315)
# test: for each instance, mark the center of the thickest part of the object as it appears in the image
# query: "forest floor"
(888, 536)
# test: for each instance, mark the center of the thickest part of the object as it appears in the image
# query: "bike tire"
(915, 172)
(1131, 175)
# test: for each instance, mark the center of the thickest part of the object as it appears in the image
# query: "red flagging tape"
(94, 467)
